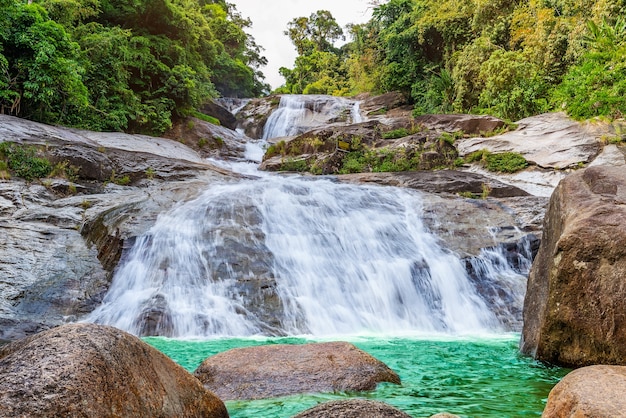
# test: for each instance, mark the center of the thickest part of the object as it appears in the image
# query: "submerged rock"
(589, 392)
(576, 299)
(279, 370)
(353, 408)
(86, 370)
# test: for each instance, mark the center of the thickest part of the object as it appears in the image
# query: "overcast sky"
(270, 18)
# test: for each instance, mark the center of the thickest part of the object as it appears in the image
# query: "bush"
(396, 133)
(24, 162)
(506, 162)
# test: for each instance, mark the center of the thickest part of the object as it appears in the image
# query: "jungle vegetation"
(137, 65)
(123, 65)
(509, 58)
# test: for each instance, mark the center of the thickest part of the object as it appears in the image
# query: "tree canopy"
(123, 65)
(504, 57)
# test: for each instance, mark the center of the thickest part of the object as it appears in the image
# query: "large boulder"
(589, 392)
(221, 113)
(280, 370)
(550, 140)
(86, 370)
(576, 298)
(353, 408)
(382, 105)
(207, 139)
(468, 124)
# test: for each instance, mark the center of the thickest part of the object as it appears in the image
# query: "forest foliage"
(509, 58)
(123, 65)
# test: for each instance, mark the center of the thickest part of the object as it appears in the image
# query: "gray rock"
(550, 140)
(209, 140)
(251, 119)
(439, 181)
(215, 109)
(611, 155)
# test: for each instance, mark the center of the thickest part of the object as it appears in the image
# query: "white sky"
(269, 21)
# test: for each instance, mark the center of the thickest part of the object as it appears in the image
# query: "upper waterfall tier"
(297, 114)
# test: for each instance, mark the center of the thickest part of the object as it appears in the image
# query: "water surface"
(470, 377)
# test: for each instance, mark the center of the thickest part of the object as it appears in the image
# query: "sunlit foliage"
(122, 65)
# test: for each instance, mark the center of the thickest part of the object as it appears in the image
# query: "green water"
(470, 377)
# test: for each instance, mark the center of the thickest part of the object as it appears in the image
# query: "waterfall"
(287, 119)
(345, 258)
(355, 113)
(289, 255)
(297, 114)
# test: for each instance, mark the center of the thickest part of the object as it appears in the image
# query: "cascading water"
(296, 114)
(291, 255)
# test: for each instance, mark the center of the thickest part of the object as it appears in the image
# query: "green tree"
(41, 72)
(318, 32)
(319, 67)
(597, 84)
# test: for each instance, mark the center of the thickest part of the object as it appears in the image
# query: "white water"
(286, 120)
(296, 115)
(346, 259)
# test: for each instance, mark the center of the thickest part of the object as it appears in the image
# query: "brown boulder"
(576, 297)
(468, 124)
(219, 112)
(594, 391)
(279, 370)
(353, 408)
(382, 104)
(86, 370)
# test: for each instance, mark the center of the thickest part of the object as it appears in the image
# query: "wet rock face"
(48, 272)
(62, 238)
(353, 408)
(279, 370)
(574, 305)
(253, 116)
(594, 391)
(86, 370)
